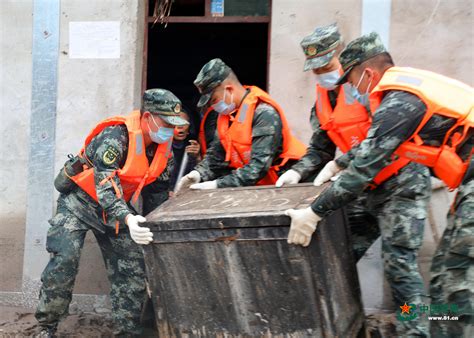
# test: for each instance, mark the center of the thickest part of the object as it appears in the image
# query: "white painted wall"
(88, 91)
(15, 103)
(292, 20)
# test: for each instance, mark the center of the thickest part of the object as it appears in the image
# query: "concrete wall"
(15, 103)
(88, 91)
(294, 89)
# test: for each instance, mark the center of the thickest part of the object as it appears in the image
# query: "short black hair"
(380, 61)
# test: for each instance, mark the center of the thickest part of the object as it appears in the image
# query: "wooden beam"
(207, 8)
(204, 19)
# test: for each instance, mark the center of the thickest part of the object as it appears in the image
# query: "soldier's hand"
(140, 235)
(289, 177)
(186, 181)
(204, 185)
(303, 225)
(329, 171)
(193, 149)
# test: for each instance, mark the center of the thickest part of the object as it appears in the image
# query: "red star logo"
(406, 308)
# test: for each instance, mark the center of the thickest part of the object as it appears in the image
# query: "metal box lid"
(221, 208)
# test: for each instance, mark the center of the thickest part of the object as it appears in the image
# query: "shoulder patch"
(110, 155)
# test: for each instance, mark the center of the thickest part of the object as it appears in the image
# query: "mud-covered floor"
(20, 322)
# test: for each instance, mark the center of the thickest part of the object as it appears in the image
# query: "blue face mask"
(362, 98)
(328, 80)
(222, 107)
(163, 134)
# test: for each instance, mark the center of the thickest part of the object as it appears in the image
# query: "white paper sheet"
(94, 39)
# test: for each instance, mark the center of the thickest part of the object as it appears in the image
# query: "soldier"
(401, 188)
(425, 117)
(207, 129)
(253, 144)
(120, 156)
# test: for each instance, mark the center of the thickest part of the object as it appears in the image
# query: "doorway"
(192, 36)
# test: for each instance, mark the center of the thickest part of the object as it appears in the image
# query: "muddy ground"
(20, 322)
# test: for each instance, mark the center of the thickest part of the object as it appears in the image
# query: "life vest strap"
(283, 162)
(114, 185)
(389, 171)
(137, 192)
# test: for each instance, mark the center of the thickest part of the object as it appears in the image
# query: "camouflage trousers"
(452, 270)
(123, 261)
(396, 210)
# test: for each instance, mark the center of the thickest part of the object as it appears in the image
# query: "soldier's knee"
(400, 262)
(408, 233)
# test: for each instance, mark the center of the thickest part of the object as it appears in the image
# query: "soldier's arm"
(266, 138)
(394, 122)
(109, 154)
(213, 161)
(321, 150)
(157, 192)
(162, 183)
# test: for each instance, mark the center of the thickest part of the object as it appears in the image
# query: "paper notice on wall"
(94, 40)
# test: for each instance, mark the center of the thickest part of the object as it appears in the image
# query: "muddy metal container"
(220, 266)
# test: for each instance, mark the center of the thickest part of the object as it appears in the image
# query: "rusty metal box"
(220, 266)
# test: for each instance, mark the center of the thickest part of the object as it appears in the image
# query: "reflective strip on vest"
(243, 113)
(139, 141)
(409, 80)
(319, 102)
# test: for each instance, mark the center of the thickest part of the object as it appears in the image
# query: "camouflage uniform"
(267, 139)
(452, 270)
(77, 213)
(210, 126)
(395, 120)
(396, 209)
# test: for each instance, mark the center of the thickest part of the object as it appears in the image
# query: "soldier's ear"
(146, 115)
(370, 74)
(229, 88)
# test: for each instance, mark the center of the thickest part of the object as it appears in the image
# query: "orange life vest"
(347, 125)
(236, 139)
(442, 96)
(202, 132)
(136, 172)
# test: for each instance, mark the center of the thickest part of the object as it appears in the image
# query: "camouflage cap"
(165, 104)
(211, 75)
(320, 46)
(358, 51)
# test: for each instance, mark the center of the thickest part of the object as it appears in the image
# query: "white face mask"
(363, 98)
(222, 107)
(162, 135)
(328, 80)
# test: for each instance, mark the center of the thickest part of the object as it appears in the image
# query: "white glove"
(204, 185)
(289, 177)
(139, 234)
(303, 225)
(329, 171)
(186, 181)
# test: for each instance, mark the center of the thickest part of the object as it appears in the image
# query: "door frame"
(207, 18)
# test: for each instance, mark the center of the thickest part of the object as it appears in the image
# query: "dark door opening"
(177, 52)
